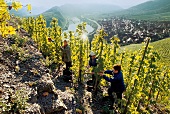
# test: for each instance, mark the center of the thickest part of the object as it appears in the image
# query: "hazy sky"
(50, 3)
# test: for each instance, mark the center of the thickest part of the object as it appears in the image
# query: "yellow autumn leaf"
(78, 111)
(17, 68)
(29, 8)
(11, 30)
(16, 5)
(19, 26)
(137, 57)
(31, 84)
(4, 32)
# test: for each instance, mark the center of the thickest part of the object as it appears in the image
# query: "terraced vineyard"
(162, 46)
(33, 79)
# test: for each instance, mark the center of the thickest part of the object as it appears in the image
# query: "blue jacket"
(117, 81)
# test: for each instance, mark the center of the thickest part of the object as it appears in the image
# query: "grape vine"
(147, 81)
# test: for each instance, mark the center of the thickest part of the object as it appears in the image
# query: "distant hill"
(154, 7)
(54, 12)
(47, 13)
(162, 46)
(81, 9)
(151, 10)
(71, 10)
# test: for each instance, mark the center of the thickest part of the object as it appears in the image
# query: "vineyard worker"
(93, 63)
(117, 83)
(66, 54)
(93, 59)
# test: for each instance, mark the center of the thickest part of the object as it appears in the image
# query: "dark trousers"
(68, 65)
(67, 70)
(118, 94)
(93, 78)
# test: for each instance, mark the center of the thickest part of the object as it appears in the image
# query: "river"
(74, 22)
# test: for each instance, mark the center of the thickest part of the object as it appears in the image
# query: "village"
(134, 31)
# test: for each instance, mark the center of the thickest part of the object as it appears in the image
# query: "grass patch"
(161, 46)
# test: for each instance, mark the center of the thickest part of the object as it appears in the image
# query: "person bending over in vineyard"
(117, 83)
(93, 63)
(66, 57)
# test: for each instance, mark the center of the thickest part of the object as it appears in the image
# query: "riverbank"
(91, 27)
(92, 23)
(73, 22)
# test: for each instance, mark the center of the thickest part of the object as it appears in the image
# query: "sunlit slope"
(153, 10)
(162, 46)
